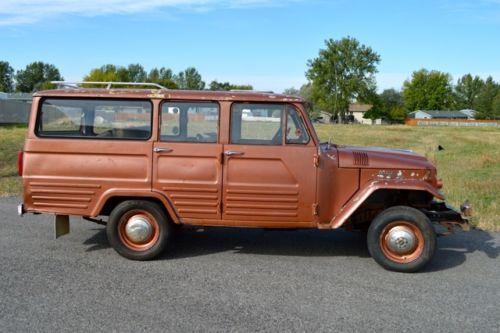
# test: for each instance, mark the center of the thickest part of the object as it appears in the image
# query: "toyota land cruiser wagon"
(143, 161)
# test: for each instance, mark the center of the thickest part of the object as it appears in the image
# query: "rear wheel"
(401, 239)
(138, 229)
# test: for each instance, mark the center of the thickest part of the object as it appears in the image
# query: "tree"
(397, 114)
(342, 72)
(163, 76)
(378, 109)
(36, 76)
(107, 73)
(485, 100)
(392, 99)
(387, 105)
(428, 90)
(136, 73)
(292, 91)
(221, 86)
(189, 79)
(467, 90)
(6, 77)
(496, 107)
(305, 92)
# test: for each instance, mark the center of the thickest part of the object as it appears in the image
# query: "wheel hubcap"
(401, 240)
(138, 229)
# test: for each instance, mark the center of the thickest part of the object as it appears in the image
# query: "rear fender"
(138, 195)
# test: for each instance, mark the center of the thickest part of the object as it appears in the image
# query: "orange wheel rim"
(138, 230)
(402, 242)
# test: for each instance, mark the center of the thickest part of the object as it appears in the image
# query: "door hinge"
(316, 160)
(315, 209)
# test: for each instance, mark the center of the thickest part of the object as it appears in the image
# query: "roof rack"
(256, 91)
(109, 84)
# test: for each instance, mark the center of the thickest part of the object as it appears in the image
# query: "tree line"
(342, 73)
(38, 75)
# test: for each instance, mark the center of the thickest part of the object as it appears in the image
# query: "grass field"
(11, 142)
(469, 163)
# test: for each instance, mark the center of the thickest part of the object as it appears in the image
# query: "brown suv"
(150, 159)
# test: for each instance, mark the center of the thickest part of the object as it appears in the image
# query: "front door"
(269, 171)
(186, 159)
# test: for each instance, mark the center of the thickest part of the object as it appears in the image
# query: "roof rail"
(257, 91)
(109, 84)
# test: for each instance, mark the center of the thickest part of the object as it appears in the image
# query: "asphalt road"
(238, 280)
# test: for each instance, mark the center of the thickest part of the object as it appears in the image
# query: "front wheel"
(401, 239)
(138, 230)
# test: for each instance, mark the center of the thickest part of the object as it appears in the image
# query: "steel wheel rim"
(125, 237)
(396, 242)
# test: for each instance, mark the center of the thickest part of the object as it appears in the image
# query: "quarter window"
(189, 122)
(295, 129)
(95, 118)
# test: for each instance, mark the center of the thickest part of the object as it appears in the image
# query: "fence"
(14, 112)
(453, 122)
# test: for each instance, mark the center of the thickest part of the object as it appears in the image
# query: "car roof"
(251, 96)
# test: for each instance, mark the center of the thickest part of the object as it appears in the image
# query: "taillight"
(20, 159)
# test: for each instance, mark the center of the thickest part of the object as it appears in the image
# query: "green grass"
(469, 163)
(11, 142)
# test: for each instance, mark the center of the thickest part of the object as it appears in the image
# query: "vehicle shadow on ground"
(98, 241)
(190, 242)
(452, 250)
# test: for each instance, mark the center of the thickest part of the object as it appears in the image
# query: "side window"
(257, 124)
(295, 129)
(95, 118)
(189, 122)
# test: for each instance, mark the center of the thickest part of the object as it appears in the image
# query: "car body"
(148, 160)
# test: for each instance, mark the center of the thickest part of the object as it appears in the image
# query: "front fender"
(350, 207)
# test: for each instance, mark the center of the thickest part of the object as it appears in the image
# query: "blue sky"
(263, 43)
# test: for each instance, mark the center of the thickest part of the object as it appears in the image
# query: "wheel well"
(111, 203)
(385, 198)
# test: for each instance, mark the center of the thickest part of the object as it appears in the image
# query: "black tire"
(408, 258)
(148, 211)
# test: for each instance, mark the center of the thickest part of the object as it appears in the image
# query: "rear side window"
(95, 118)
(189, 122)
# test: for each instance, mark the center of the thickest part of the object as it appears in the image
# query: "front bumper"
(449, 217)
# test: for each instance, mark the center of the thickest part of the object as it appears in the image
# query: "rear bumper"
(449, 217)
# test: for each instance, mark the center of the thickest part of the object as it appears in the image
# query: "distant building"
(425, 114)
(354, 115)
(357, 111)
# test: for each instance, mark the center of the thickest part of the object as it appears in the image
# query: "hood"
(380, 158)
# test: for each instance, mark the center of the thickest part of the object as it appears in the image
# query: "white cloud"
(18, 12)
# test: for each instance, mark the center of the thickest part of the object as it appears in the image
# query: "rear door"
(269, 171)
(186, 159)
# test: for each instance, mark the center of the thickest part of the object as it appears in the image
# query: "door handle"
(162, 150)
(233, 153)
